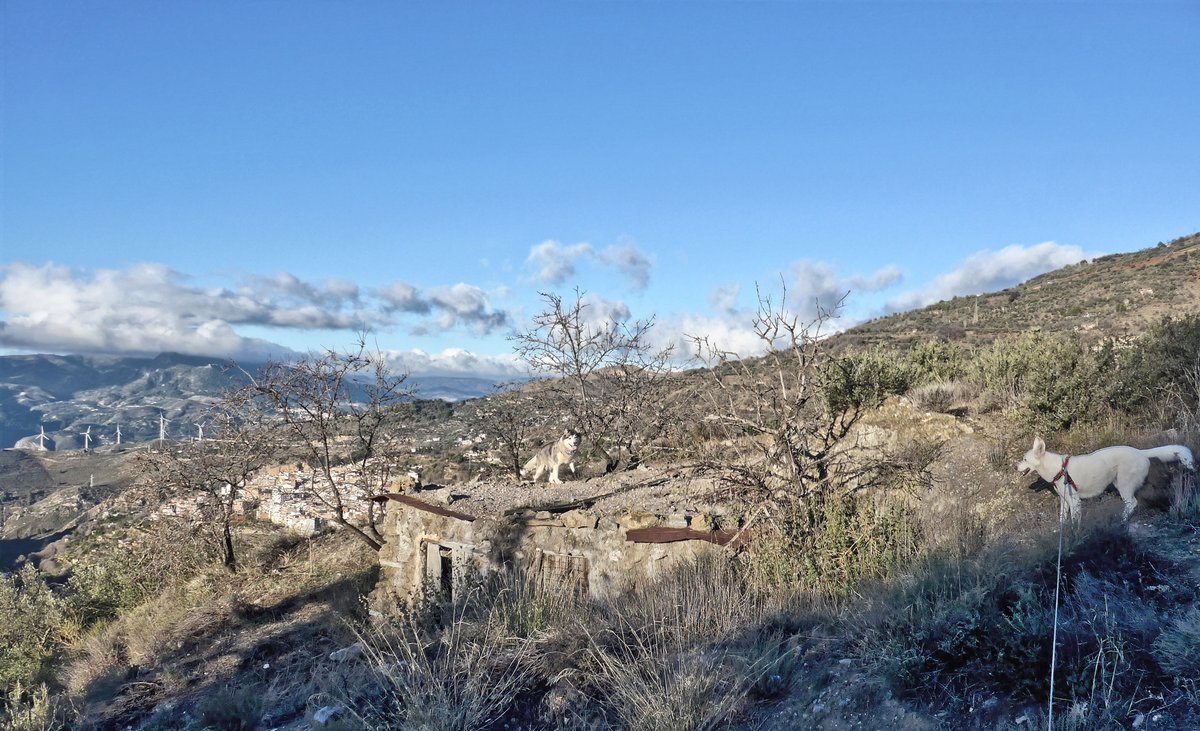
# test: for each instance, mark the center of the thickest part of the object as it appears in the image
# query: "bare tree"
(510, 417)
(338, 410)
(606, 373)
(777, 407)
(216, 470)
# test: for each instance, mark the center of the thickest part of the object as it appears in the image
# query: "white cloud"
(455, 362)
(145, 309)
(461, 303)
(287, 287)
(724, 298)
(987, 271)
(150, 308)
(466, 304)
(600, 313)
(880, 280)
(555, 263)
(403, 297)
(630, 261)
(729, 332)
(815, 286)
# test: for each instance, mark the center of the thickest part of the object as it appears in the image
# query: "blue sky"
(237, 178)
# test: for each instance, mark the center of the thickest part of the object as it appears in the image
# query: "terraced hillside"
(1112, 296)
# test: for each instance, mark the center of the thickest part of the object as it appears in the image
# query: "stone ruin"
(590, 546)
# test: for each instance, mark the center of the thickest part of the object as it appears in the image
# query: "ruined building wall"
(573, 551)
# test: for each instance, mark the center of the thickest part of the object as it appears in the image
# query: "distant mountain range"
(65, 394)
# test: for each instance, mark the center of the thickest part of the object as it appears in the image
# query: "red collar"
(1063, 473)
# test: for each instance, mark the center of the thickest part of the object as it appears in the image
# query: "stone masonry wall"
(592, 554)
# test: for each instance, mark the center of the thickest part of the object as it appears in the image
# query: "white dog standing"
(1087, 475)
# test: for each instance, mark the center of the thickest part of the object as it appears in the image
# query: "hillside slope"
(1112, 296)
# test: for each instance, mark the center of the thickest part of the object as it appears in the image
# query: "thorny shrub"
(830, 542)
(863, 380)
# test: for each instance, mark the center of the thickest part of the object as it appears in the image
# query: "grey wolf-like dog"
(552, 456)
(1087, 475)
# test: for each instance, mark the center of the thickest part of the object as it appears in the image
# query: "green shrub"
(1051, 381)
(30, 709)
(103, 584)
(1161, 369)
(938, 361)
(1061, 387)
(34, 628)
(1003, 367)
(863, 380)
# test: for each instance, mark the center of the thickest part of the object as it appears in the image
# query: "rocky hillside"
(1112, 296)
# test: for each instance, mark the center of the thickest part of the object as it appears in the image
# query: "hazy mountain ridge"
(68, 393)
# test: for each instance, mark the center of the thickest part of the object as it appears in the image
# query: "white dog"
(1088, 474)
(552, 456)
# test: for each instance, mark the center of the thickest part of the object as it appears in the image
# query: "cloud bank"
(987, 271)
(554, 263)
(149, 308)
(456, 362)
(816, 286)
(145, 309)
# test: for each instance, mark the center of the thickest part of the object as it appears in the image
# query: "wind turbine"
(162, 429)
(118, 434)
(42, 439)
(200, 427)
(87, 438)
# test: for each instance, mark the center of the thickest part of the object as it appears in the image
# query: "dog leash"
(1057, 584)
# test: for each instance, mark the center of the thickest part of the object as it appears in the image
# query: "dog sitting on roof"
(552, 456)
(1087, 475)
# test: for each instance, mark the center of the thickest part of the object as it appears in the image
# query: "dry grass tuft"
(942, 397)
(464, 678)
(30, 709)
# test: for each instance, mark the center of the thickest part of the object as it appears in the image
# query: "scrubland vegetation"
(868, 594)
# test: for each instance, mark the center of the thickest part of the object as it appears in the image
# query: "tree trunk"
(375, 534)
(227, 544)
(360, 534)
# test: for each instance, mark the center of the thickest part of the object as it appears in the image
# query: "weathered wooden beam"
(412, 502)
(674, 535)
(583, 502)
